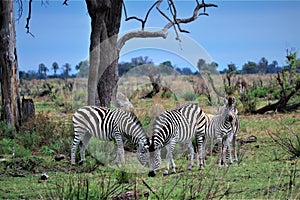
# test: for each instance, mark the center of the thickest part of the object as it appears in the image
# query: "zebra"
(179, 125)
(231, 139)
(108, 124)
(224, 127)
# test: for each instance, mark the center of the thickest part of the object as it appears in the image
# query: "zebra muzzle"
(151, 174)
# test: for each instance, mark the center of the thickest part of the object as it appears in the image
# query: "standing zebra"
(180, 125)
(231, 139)
(224, 127)
(108, 124)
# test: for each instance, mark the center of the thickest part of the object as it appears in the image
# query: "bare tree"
(105, 27)
(9, 66)
(105, 44)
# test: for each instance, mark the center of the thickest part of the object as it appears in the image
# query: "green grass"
(265, 171)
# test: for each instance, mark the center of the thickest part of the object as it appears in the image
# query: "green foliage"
(12, 148)
(290, 142)
(46, 151)
(6, 130)
(189, 96)
(123, 176)
(84, 186)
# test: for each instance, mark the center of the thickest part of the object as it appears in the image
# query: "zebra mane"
(134, 117)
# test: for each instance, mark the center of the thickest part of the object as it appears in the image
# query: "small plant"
(289, 143)
(6, 130)
(11, 147)
(85, 187)
(46, 151)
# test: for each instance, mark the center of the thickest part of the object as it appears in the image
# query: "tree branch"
(28, 18)
(139, 34)
(65, 3)
(143, 21)
(163, 32)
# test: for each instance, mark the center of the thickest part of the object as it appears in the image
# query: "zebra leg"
(201, 151)
(169, 157)
(227, 150)
(220, 151)
(191, 156)
(225, 154)
(82, 146)
(120, 150)
(75, 144)
(234, 148)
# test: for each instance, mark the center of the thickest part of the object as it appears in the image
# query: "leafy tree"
(140, 61)
(207, 67)
(186, 71)
(262, 65)
(273, 67)
(124, 67)
(55, 67)
(66, 70)
(83, 68)
(249, 68)
(42, 71)
(167, 63)
(201, 65)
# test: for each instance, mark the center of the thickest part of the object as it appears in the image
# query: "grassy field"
(264, 169)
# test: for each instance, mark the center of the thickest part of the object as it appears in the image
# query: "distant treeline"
(263, 66)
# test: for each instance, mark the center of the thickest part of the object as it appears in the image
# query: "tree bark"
(9, 66)
(103, 73)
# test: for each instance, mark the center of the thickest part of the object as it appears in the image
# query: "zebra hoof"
(151, 174)
(174, 172)
(165, 174)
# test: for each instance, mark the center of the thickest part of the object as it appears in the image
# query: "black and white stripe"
(108, 124)
(231, 139)
(180, 125)
(224, 128)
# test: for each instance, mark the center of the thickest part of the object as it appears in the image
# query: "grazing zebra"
(224, 127)
(108, 124)
(180, 125)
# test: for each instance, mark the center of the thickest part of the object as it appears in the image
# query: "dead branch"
(65, 3)
(143, 21)
(175, 22)
(28, 18)
(210, 80)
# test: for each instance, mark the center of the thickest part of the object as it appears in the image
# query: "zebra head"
(143, 151)
(230, 113)
(154, 160)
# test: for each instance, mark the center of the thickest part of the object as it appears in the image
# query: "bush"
(189, 96)
(287, 137)
(6, 130)
(11, 147)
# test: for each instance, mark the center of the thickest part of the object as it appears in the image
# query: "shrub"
(6, 130)
(290, 144)
(287, 137)
(11, 147)
(189, 96)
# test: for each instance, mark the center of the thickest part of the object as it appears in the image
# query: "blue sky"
(235, 32)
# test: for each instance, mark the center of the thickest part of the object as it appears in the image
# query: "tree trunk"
(9, 66)
(28, 110)
(103, 73)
